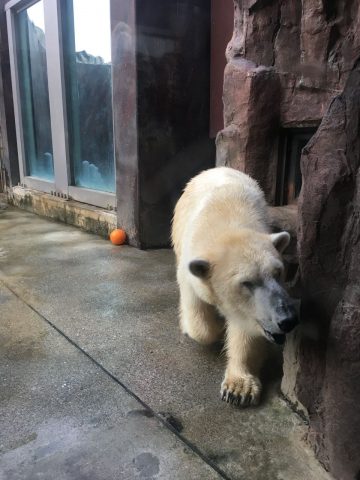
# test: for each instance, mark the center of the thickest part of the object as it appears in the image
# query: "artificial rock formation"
(306, 50)
(288, 64)
(328, 380)
(247, 113)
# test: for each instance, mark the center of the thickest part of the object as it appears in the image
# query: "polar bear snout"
(288, 318)
(283, 322)
(277, 309)
(285, 315)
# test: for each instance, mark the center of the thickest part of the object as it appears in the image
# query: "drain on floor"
(173, 421)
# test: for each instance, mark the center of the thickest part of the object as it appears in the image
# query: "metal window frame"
(97, 198)
(58, 108)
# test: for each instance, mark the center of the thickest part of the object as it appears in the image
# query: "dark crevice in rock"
(259, 4)
(334, 37)
(275, 33)
(330, 9)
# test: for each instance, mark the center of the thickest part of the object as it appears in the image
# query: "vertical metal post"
(56, 82)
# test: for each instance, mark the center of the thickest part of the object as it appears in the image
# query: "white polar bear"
(229, 263)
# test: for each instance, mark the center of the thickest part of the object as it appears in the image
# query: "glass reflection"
(89, 88)
(31, 54)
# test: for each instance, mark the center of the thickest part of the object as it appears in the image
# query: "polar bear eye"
(249, 285)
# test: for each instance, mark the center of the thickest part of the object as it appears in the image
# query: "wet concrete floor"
(98, 383)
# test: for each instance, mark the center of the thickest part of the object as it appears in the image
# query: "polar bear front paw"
(241, 390)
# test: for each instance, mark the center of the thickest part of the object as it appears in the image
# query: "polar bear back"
(215, 202)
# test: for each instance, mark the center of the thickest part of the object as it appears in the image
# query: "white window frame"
(58, 109)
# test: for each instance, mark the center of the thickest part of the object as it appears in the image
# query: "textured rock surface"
(311, 43)
(328, 382)
(309, 48)
(246, 112)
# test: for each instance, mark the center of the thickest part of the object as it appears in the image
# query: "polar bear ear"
(280, 240)
(199, 268)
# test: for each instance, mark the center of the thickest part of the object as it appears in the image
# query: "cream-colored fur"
(220, 222)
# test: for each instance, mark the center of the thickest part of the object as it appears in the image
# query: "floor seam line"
(166, 424)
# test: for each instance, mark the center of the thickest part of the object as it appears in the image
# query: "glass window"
(87, 47)
(34, 92)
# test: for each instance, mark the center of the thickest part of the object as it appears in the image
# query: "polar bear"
(229, 272)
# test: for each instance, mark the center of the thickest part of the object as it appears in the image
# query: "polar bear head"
(241, 274)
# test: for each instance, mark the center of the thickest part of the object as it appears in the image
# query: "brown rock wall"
(328, 382)
(288, 62)
(251, 126)
(310, 46)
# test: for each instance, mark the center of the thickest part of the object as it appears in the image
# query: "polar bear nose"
(289, 320)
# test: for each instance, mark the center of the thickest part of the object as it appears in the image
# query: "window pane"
(87, 48)
(34, 92)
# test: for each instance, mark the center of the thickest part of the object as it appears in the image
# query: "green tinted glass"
(34, 93)
(87, 49)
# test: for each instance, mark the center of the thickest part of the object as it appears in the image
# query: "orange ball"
(118, 236)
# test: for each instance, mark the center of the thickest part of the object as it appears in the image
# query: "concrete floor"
(98, 383)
